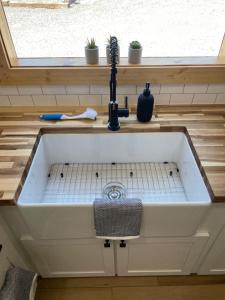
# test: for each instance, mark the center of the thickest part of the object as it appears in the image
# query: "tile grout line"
(9, 100)
(32, 100)
(170, 100)
(215, 98)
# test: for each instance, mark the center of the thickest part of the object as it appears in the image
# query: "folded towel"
(17, 284)
(119, 219)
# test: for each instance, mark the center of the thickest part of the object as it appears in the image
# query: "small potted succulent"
(91, 52)
(108, 51)
(135, 53)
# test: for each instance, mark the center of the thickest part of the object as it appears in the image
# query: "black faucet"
(114, 111)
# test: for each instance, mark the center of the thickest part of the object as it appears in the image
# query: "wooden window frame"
(192, 70)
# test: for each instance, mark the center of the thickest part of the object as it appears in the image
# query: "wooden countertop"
(204, 126)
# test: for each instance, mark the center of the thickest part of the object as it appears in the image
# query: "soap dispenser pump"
(145, 105)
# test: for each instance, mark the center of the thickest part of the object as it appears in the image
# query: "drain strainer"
(114, 191)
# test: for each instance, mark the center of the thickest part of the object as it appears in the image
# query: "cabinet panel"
(76, 222)
(80, 257)
(214, 262)
(160, 256)
(172, 221)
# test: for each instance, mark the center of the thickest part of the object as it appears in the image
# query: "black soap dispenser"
(145, 105)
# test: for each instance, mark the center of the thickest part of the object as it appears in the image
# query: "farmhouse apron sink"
(69, 170)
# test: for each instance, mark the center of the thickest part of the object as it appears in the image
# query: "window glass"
(165, 28)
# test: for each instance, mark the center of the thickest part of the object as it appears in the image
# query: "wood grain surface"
(203, 125)
(192, 287)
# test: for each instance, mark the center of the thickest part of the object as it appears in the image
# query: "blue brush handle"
(51, 116)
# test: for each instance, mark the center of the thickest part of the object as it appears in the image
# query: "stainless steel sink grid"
(81, 182)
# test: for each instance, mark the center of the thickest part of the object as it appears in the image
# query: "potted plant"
(91, 52)
(108, 51)
(135, 53)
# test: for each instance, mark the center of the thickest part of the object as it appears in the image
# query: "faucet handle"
(126, 102)
(124, 112)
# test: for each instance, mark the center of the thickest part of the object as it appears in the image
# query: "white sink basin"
(69, 170)
(74, 168)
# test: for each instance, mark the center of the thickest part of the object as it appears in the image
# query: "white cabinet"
(71, 258)
(160, 256)
(214, 262)
(11, 251)
(90, 257)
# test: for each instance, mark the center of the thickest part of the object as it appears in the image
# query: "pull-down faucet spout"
(114, 111)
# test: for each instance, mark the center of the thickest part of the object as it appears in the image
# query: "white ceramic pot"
(134, 56)
(92, 56)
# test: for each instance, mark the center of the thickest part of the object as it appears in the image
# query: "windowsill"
(158, 70)
(146, 62)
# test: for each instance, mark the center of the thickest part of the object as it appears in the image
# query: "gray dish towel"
(17, 284)
(118, 218)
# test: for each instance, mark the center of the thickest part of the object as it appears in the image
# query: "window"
(165, 28)
(43, 46)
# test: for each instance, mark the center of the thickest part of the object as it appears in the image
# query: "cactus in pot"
(135, 53)
(91, 52)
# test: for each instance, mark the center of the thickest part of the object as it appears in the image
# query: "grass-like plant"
(109, 40)
(91, 44)
(135, 45)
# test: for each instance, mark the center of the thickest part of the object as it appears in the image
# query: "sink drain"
(114, 191)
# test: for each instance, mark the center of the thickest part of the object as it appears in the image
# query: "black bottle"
(145, 105)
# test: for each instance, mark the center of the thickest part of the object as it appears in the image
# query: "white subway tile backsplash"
(181, 99)
(195, 88)
(99, 89)
(216, 88)
(4, 101)
(21, 100)
(53, 89)
(155, 89)
(132, 99)
(171, 89)
(88, 95)
(90, 99)
(44, 100)
(69, 100)
(105, 99)
(126, 89)
(162, 99)
(30, 90)
(6, 90)
(220, 99)
(77, 89)
(204, 98)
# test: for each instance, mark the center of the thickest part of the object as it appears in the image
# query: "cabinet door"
(214, 262)
(159, 256)
(70, 258)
